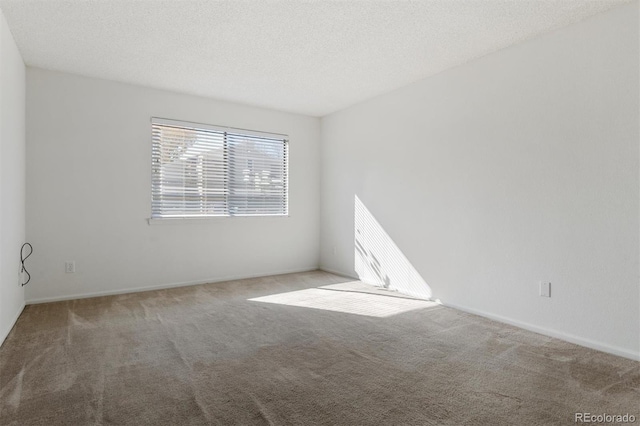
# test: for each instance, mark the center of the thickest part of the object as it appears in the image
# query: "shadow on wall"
(379, 261)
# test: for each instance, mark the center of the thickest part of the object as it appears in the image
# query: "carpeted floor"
(298, 349)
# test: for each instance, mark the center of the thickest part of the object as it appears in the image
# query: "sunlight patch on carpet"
(350, 302)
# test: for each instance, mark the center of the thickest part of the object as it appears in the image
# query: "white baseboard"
(571, 338)
(592, 344)
(4, 333)
(340, 273)
(162, 286)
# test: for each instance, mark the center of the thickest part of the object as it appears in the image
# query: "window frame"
(219, 129)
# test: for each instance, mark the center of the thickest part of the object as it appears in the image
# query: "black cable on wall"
(23, 258)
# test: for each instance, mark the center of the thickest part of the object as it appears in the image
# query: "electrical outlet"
(70, 267)
(545, 289)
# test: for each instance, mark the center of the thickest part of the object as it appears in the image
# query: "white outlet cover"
(545, 289)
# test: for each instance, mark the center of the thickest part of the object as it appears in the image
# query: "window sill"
(202, 220)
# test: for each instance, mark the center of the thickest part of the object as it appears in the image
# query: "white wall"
(518, 167)
(12, 178)
(89, 192)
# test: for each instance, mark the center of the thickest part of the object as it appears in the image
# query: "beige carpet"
(298, 349)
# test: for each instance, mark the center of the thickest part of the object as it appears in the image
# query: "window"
(202, 171)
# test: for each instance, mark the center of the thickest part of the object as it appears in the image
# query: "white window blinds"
(200, 170)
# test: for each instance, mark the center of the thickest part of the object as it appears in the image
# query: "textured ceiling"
(310, 57)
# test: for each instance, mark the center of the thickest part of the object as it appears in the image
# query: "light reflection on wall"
(379, 261)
